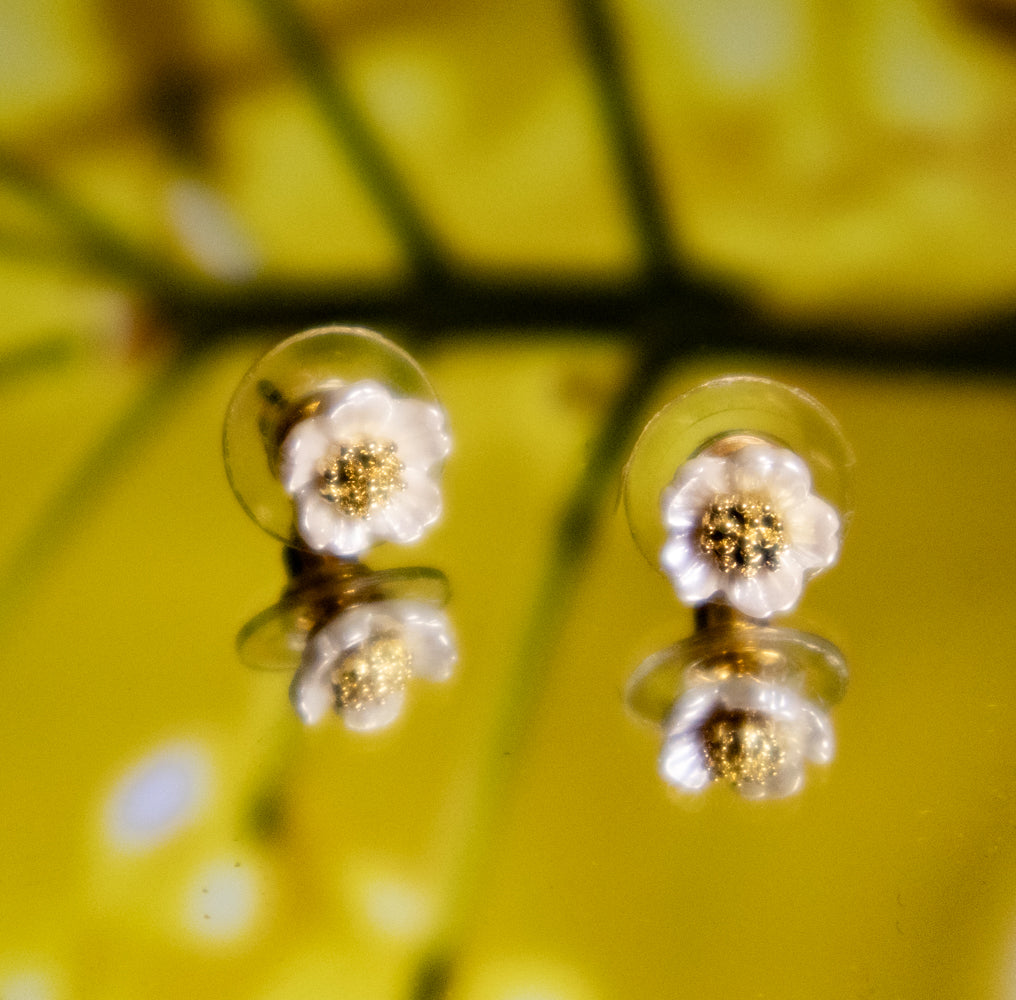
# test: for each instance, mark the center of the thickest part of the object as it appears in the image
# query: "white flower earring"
(360, 468)
(334, 443)
(719, 496)
(743, 524)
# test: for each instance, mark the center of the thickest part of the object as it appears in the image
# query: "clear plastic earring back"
(286, 381)
(276, 638)
(724, 408)
(771, 654)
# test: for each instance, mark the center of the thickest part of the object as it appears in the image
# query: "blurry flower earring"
(743, 524)
(359, 467)
(334, 443)
(741, 528)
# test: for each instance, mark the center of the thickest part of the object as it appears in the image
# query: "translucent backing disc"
(737, 404)
(284, 379)
(807, 663)
(275, 638)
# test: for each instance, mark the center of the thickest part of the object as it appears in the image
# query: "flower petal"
(767, 592)
(419, 430)
(787, 780)
(697, 582)
(377, 715)
(691, 708)
(774, 472)
(316, 518)
(428, 634)
(310, 691)
(813, 528)
(682, 763)
(412, 511)
(347, 629)
(326, 529)
(697, 482)
(679, 552)
(434, 653)
(781, 586)
(819, 744)
(362, 408)
(302, 449)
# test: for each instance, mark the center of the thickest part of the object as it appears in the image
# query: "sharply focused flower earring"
(334, 443)
(719, 493)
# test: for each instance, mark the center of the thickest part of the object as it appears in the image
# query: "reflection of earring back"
(332, 461)
(740, 701)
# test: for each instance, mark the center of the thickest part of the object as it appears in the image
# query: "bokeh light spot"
(740, 44)
(209, 231)
(158, 797)
(393, 903)
(27, 986)
(397, 908)
(531, 979)
(413, 94)
(223, 900)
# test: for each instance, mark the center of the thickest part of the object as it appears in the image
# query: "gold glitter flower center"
(742, 746)
(742, 534)
(372, 672)
(361, 477)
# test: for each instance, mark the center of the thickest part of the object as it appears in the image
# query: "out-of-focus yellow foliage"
(852, 162)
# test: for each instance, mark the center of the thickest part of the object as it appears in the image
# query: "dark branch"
(689, 319)
(629, 145)
(94, 244)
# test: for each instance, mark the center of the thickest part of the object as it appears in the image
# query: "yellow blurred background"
(570, 212)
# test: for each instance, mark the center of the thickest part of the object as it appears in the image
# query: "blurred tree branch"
(316, 67)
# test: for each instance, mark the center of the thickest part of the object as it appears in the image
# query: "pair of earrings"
(334, 442)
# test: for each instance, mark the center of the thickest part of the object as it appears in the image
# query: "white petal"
(697, 582)
(316, 518)
(428, 634)
(362, 408)
(327, 529)
(679, 552)
(300, 453)
(813, 529)
(781, 587)
(374, 716)
(692, 708)
(310, 691)
(351, 536)
(774, 472)
(412, 511)
(819, 739)
(750, 595)
(682, 763)
(419, 430)
(697, 482)
(434, 651)
(347, 629)
(775, 700)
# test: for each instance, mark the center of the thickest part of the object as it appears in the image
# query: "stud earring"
(720, 494)
(334, 443)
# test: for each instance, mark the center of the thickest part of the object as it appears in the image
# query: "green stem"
(296, 36)
(99, 469)
(38, 357)
(96, 241)
(628, 141)
(492, 785)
